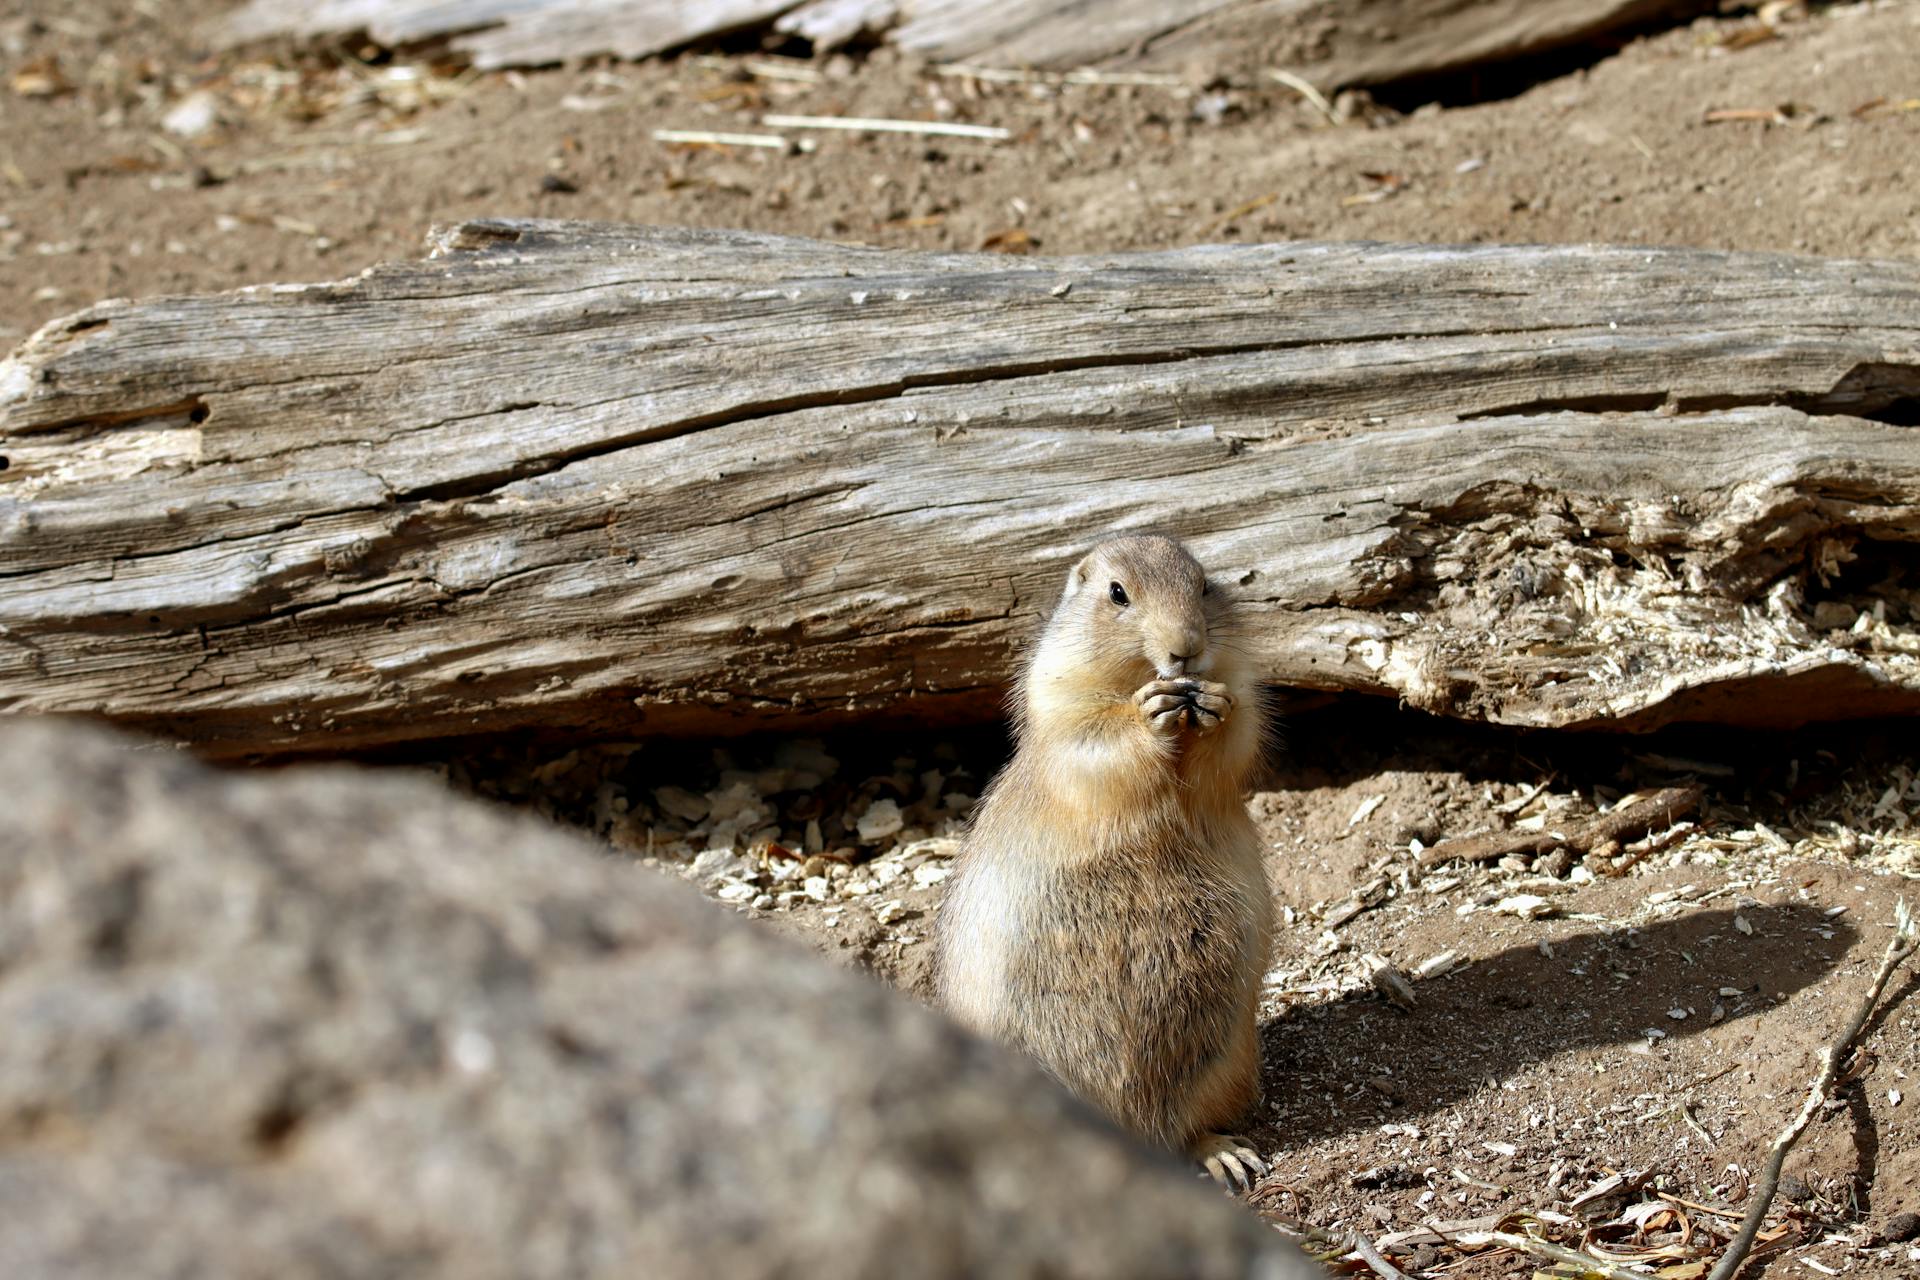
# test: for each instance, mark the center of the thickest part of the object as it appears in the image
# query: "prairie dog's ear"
(1078, 575)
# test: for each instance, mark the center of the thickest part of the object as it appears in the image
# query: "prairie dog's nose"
(1183, 651)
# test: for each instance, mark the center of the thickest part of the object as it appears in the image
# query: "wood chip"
(1527, 906)
(1366, 809)
(1525, 798)
(41, 78)
(1395, 987)
(1598, 1191)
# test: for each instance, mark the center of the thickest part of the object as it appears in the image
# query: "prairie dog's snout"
(1180, 649)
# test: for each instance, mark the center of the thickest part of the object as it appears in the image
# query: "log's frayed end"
(16, 381)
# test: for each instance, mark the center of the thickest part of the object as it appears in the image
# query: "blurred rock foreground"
(324, 1023)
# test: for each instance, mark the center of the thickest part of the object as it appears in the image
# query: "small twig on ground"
(1240, 211)
(1307, 1231)
(1717, 1210)
(1705, 1080)
(1306, 90)
(1525, 798)
(1661, 810)
(860, 124)
(1373, 1258)
(767, 68)
(1490, 846)
(1321, 1245)
(1082, 75)
(1640, 850)
(1833, 1058)
(707, 138)
(1686, 1113)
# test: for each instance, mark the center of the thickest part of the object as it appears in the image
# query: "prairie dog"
(1109, 913)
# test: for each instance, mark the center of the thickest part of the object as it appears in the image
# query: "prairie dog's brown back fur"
(1110, 914)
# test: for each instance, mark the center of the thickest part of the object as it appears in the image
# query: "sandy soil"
(1659, 1024)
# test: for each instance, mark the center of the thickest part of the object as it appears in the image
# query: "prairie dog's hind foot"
(1228, 1160)
(1172, 705)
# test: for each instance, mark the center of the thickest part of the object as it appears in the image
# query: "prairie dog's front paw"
(1211, 704)
(1170, 706)
(1165, 704)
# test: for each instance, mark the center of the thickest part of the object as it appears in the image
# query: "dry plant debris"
(786, 829)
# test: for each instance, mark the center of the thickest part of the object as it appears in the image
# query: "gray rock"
(328, 1023)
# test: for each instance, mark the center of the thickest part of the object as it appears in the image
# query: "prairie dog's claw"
(1172, 705)
(1211, 704)
(1228, 1161)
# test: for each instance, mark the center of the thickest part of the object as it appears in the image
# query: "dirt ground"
(1569, 1025)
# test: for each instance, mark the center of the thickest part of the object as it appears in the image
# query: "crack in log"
(1225, 9)
(953, 624)
(734, 415)
(1878, 391)
(894, 513)
(193, 408)
(794, 500)
(1631, 402)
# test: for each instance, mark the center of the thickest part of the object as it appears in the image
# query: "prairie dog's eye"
(1206, 588)
(1117, 594)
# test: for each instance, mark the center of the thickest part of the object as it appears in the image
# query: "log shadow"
(1484, 1024)
(1354, 738)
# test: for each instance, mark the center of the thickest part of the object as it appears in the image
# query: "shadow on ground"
(1359, 1062)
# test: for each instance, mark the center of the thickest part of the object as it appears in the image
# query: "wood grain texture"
(623, 479)
(1333, 42)
(830, 24)
(503, 33)
(1336, 43)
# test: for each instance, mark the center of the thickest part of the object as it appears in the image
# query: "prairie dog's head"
(1134, 608)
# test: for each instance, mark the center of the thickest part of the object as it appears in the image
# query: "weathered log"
(1334, 42)
(619, 479)
(502, 33)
